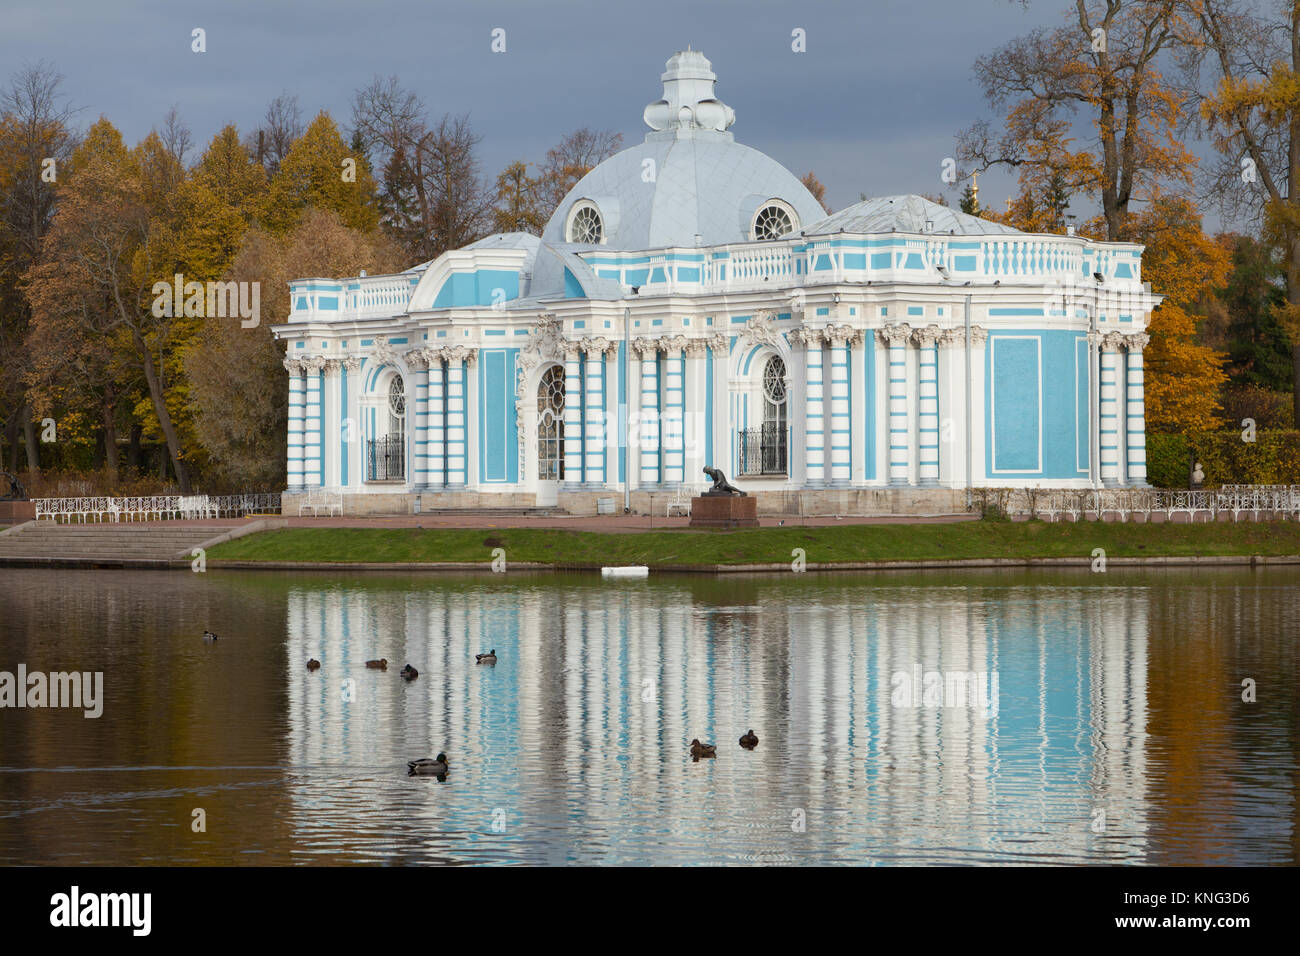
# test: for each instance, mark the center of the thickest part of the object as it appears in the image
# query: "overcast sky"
(872, 106)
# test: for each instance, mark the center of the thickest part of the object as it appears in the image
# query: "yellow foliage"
(1184, 379)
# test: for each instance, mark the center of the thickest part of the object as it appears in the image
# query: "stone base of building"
(717, 511)
(783, 504)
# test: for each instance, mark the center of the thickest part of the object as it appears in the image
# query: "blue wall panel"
(498, 435)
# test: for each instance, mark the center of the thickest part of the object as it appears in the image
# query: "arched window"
(397, 407)
(386, 454)
(585, 224)
(550, 424)
(773, 220)
(763, 449)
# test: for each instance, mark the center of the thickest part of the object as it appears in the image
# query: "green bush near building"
(1226, 457)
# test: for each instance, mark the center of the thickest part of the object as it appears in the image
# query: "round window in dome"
(774, 220)
(585, 225)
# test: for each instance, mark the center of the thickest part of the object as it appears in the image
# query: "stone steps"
(157, 545)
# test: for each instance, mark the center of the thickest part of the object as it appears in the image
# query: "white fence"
(155, 507)
(1253, 502)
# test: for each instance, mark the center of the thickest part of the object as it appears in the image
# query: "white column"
(297, 413)
(353, 447)
(895, 336)
(472, 429)
(719, 456)
(696, 410)
(674, 470)
(841, 432)
(419, 363)
(648, 423)
(976, 412)
(952, 399)
(436, 449)
(312, 434)
(1109, 429)
(615, 417)
(814, 409)
(593, 426)
(573, 402)
(858, 409)
(457, 453)
(927, 444)
(332, 423)
(1135, 415)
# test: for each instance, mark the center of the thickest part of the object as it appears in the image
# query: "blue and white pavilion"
(689, 304)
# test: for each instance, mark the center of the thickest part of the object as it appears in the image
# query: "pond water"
(1077, 718)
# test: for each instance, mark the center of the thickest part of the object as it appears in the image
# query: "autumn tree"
(433, 197)
(281, 127)
(817, 188)
(1259, 352)
(97, 259)
(1184, 378)
(570, 159)
(1111, 65)
(239, 386)
(320, 171)
(1254, 116)
(519, 201)
(36, 142)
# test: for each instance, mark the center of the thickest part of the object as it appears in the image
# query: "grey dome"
(688, 179)
(905, 214)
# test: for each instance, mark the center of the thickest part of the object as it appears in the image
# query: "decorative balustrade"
(364, 297)
(806, 261)
(1267, 502)
(155, 507)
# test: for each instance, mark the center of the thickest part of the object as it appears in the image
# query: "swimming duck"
(489, 658)
(209, 636)
(409, 673)
(313, 665)
(699, 750)
(379, 665)
(426, 767)
(749, 741)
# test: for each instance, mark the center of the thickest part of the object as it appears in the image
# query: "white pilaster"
(436, 450)
(814, 408)
(899, 465)
(419, 364)
(840, 338)
(696, 405)
(573, 405)
(457, 439)
(297, 415)
(313, 435)
(648, 422)
(1135, 415)
(674, 439)
(1109, 429)
(927, 428)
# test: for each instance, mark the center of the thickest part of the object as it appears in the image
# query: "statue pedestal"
(724, 511)
(17, 511)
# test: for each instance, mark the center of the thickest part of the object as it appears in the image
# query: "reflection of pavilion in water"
(591, 674)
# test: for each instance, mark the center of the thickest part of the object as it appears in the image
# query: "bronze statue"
(16, 490)
(720, 484)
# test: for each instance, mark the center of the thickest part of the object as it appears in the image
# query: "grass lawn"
(824, 545)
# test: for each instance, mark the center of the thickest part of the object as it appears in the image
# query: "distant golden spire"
(975, 189)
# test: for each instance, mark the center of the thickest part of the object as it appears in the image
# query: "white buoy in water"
(629, 571)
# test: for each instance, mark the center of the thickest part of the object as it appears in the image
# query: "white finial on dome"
(689, 101)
